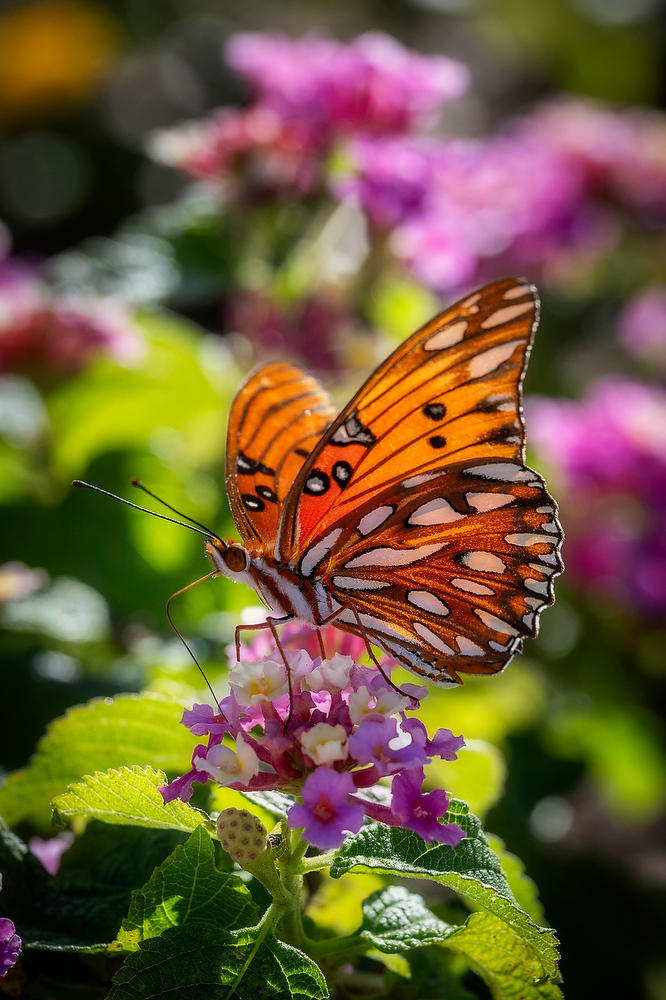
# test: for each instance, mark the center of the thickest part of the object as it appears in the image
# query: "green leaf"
(506, 962)
(395, 920)
(472, 869)
(187, 887)
(105, 733)
(276, 803)
(198, 960)
(126, 796)
(80, 908)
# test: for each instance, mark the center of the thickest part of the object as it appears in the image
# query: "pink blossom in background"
(50, 850)
(642, 325)
(18, 580)
(339, 731)
(371, 84)
(609, 452)
(44, 334)
(618, 151)
(10, 944)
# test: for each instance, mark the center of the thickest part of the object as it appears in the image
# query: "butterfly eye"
(235, 558)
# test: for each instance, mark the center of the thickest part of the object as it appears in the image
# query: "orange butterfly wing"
(397, 497)
(451, 392)
(276, 418)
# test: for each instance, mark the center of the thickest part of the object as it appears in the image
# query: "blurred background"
(188, 187)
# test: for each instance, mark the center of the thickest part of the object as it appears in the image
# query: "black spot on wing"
(342, 473)
(435, 411)
(317, 483)
(252, 502)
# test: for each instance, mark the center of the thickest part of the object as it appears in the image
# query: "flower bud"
(243, 836)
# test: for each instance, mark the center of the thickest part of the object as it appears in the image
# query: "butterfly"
(410, 517)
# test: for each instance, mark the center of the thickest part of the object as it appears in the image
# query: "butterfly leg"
(271, 623)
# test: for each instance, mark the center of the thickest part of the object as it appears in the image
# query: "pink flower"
(642, 325)
(341, 724)
(328, 811)
(10, 944)
(421, 812)
(50, 851)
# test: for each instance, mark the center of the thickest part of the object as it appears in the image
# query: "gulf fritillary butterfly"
(410, 518)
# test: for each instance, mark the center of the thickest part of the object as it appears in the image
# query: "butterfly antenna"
(208, 576)
(139, 485)
(199, 530)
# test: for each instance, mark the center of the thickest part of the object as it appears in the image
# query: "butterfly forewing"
(276, 419)
(449, 394)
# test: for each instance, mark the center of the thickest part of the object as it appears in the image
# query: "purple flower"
(642, 325)
(371, 84)
(10, 944)
(420, 812)
(327, 812)
(609, 451)
(340, 729)
(50, 851)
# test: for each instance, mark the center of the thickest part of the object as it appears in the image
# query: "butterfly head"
(229, 557)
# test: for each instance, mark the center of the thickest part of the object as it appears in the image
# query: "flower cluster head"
(609, 450)
(307, 94)
(43, 334)
(326, 731)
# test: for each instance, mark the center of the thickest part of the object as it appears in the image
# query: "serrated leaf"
(128, 796)
(506, 962)
(396, 920)
(199, 960)
(472, 869)
(80, 908)
(105, 733)
(187, 887)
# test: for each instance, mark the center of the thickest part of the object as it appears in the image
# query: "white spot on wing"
(472, 587)
(425, 477)
(517, 292)
(433, 639)
(372, 520)
(486, 362)
(450, 335)
(506, 314)
(504, 472)
(545, 510)
(483, 562)
(370, 623)
(427, 602)
(549, 526)
(538, 586)
(469, 648)
(437, 511)
(488, 501)
(549, 557)
(314, 555)
(354, 583)
(496, 624)
(526, 539)
(528, 620)
(393, 557)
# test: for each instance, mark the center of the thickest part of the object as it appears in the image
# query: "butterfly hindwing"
(449, 394)
(276, 418)
(449, 574)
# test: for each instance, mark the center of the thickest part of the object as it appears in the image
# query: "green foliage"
(127, 796)
(103, 734)
(473, 870)
(187, 888)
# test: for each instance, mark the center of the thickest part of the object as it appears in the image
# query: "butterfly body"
(410, 517)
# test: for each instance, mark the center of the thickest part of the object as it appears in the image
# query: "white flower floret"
(363, 702)
(325, 743)
(227, 766)
(331, 673)
(254, 682)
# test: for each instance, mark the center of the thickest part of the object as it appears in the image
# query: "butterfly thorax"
(281, 589)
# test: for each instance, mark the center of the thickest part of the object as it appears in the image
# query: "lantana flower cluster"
(340, 741)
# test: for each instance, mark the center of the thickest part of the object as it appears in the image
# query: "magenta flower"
(421, 812)
(642, 325)
(343, 728)
(328, 811)
(609, 451)
(50, 851)
(371, 84)
(10, 944)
